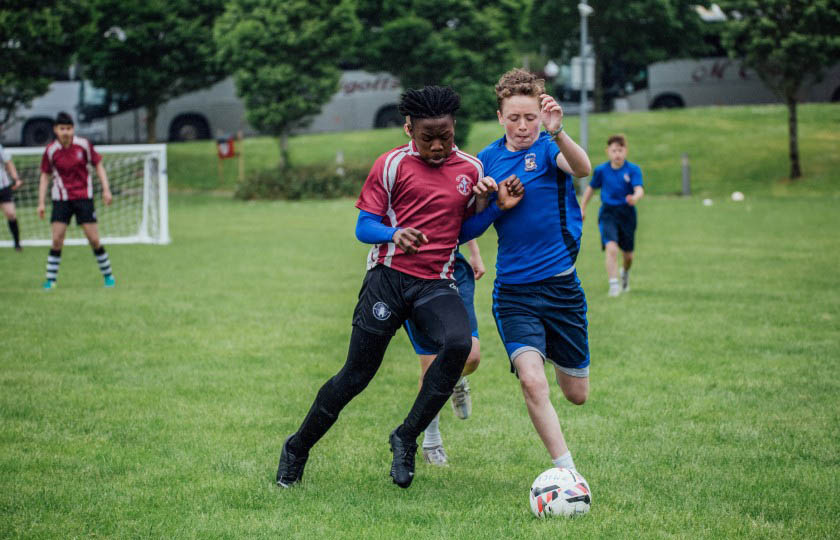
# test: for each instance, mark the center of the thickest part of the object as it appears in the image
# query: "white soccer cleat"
(435, 456)
(461, 400)
(615, 289)
(625, 281)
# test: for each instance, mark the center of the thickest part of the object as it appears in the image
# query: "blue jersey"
(540, 236)
(616, 184)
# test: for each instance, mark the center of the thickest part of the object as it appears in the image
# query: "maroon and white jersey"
(69, 169)
(434, 200)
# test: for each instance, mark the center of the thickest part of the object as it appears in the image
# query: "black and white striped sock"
(103, 260)
(53, 260)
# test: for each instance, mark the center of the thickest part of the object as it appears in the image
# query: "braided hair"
(430, 102)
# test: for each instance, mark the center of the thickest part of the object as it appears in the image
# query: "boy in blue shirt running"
(538, 302)
(621, 190)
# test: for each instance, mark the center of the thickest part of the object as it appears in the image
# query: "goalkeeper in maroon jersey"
(66, 159)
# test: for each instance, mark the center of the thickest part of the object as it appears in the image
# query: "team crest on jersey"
(627, 177)
(463, 184)
(531, 162)
(80, 154)
(381, 311)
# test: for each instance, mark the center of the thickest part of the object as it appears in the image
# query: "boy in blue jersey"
(538, 303)
(621, 189)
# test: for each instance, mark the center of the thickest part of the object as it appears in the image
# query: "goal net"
(138, 213)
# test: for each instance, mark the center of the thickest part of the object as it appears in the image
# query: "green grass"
(729, 148)
(157, 409)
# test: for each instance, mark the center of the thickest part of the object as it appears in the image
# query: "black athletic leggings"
(444, 319)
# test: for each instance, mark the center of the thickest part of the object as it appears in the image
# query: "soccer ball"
(560, 492)
(737, 196)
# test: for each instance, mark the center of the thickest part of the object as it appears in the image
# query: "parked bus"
(718, 81)
(364, 101)
(32, 126)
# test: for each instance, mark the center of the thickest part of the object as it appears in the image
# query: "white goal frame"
(155, 201)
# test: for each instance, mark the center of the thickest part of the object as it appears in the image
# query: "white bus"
(718, 81)
(32, 126)
(364, 101)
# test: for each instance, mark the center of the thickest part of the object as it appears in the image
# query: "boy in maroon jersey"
(411, 207)
(67, 159)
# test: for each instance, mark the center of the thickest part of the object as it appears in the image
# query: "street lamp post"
(585, 11)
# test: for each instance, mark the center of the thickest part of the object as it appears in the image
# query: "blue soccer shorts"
(465, 280)
(548, 317)
(617, 224)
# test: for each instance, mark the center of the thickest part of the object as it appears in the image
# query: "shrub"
(295, 183)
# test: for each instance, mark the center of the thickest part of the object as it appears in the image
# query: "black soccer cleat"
(290, 470)
(402, 466)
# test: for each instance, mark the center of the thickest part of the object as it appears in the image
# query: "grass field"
(729, 148)
(157, 409)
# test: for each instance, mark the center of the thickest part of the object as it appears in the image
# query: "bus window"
(93, 102)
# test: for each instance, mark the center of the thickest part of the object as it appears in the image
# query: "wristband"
(556, 132)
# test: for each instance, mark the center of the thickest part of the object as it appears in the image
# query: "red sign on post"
(226, 148)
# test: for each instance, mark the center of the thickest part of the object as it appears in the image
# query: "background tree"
(465, 44)
(626, 36)
(787, 42)
(285, 57)
(37, 40)
(150, 51)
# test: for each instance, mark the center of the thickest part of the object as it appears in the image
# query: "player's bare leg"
(575, 389)
(611, 263)
(8, 210)
(59, 231)
(625, 270)
(530, 368)
(473, 359)
(92, 233)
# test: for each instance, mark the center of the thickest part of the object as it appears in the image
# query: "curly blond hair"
(518, 82)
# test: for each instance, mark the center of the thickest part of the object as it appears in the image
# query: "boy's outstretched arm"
(638, 193)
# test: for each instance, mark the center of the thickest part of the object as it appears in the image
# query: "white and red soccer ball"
(560, 492)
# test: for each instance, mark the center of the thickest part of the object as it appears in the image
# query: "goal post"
(139, 213)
